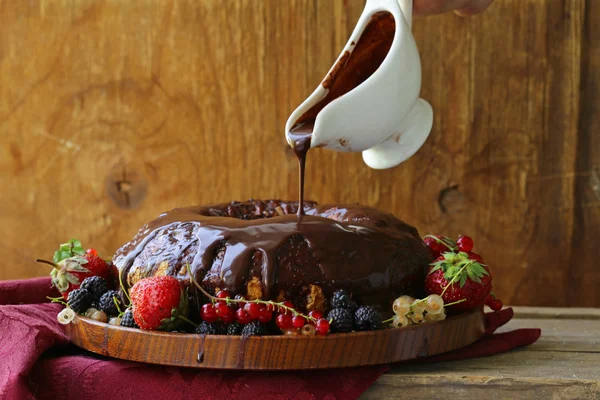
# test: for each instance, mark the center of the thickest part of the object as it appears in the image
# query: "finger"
(476, 7)
(431, 7)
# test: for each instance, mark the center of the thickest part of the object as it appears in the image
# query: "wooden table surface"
(563, 364)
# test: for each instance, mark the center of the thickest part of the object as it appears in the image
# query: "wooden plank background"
(114, 111)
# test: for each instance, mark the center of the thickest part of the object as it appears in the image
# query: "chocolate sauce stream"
(300, 136)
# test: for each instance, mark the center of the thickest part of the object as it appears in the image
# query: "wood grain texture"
(562, 364)
(112, 112)
(277, 352)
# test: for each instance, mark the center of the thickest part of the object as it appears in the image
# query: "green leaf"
(71, 248)
(435, 268)
(72, 278)
(463, 280)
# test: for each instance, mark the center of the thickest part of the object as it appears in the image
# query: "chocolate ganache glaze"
(229, 246)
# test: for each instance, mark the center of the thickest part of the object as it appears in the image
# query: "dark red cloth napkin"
(37, 362)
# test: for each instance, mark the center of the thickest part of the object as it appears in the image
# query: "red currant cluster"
(439, 245)
(238, 309)
(299, 324)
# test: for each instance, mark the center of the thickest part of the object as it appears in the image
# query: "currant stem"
(450, 245)
(455, 302)
(257, 301)
(57, 300)
(123, 288)
(388, 320)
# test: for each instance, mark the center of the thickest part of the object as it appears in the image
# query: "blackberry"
(107, 302)
(208, 328)
(352, 306)
(254, 328)
(80, 300)
(127, 319)
(235, 328)
(340, 299)
(341, 320)
(96, 285)
(367, 319)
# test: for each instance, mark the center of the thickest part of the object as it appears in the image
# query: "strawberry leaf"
(463, 280)
(71, 248)
(72, 278)
(436, 267)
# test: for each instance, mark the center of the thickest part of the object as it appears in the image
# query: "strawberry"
(71, 265)
(456, 277)
(159, 303)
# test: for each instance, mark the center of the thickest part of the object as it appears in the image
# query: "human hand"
(460, 7)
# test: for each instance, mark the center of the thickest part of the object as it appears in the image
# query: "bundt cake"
(261, 249)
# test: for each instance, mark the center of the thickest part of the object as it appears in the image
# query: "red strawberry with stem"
(459, 279)
(159, 303)
(71, 265)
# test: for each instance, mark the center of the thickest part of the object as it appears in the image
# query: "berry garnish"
(438, 244)
(96, 285)
(253, 310)
(80, 300)
(322, 326)
(158, 303)
(208, 313)
(110, 303)
(340, 299)
(223, 294)
(459, 280)
(476, 257)
(367, 319)
(235, 328)
(91, 252)
(208, 328)
(254, 328)
(229, 316)
(264, 315)
(242, 316)
(316, 315)
(221, 309)
(308, 330)
(341, 319)
(465, 243)
(298, 321)
(127, 319)
(284, 321)
(496, 305)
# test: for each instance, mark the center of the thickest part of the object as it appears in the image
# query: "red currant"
(242, 316)
(435, 246)
(476, 257)
(229, 317)
(223, 294)
(287, 304)
(316, 315)
(253, 310)
(207, 313)
(322, 326)
(91, 252)
(284, 321)
(240, 297)
(221, 309)
(496, 304)
(264, 315)
(465, 244)
(298, 321)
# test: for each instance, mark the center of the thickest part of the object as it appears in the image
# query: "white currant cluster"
(415, 311)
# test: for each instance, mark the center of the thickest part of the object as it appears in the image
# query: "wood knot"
(450, 200)
(126, 187)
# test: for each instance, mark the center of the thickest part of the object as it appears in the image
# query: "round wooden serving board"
(277, 352)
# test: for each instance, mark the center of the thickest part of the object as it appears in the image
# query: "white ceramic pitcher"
(383, 117)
